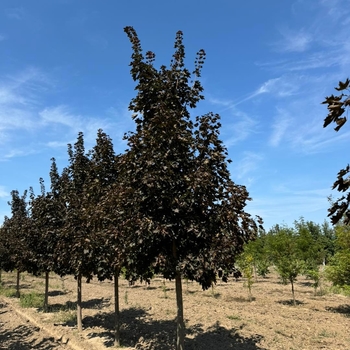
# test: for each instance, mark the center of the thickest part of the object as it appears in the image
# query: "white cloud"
(60, 115)
(246, 168)
(3, 192)
(294, 41)
(315, 142)
(70, 124)
(283, 86)
(16, 13)
(236, 125)
(19, 100)
(57, 144)
(239, 130)
(286, 205)
(18, 153)
(279, 127)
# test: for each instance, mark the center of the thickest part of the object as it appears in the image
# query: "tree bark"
(180, 326)
(46, 298)
(17, 285)
(293, 293)
(116, 308)
(79, 313)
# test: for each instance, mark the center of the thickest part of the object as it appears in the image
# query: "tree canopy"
(190, 214)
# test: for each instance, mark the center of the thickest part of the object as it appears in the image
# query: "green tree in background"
(286, 256)
(338, 270)
(258, 251)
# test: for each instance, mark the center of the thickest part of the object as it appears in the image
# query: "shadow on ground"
(96, 304)
(55, 293)
(140, 331)
(341, 309)
(24, 338)
(290, 302)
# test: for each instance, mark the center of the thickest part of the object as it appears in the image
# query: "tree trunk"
(79, 313)
(17, 285)
(255, 273)
(116, 308)
(46, 298)
(0, 276)
(180, 326)
(293, 293)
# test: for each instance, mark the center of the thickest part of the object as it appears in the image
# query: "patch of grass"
(234, 317)
(40, 283)
(126, 297)
(8, 292)
(32, 299)
(169, 312)
(344, 290)
(324, 333)
(164, 288)
(54, 286)
(68, 316)
(238, 299)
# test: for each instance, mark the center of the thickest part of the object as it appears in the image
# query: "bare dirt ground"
(217, 319)
(18, 333)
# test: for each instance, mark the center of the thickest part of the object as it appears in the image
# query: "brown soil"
(217, 319)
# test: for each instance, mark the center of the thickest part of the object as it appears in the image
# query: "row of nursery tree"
(316, 251)
(167, 205)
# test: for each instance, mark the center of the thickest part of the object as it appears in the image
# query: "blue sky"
(64, 69)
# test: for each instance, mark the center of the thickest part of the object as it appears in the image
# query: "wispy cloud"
(246, 167)
(289, 205)
(283, 86)
(310, 142)
(16, 13)
(18, 100)
(337, 57)
(14, 153)
(237, 125)
(60, 115)
(279, 127)
(322, 43)
(3, 192)
(294, 41)
(61, 118)
(2, 37)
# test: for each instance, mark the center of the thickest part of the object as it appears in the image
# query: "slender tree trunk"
(79, 313)
(17, 285)
(180, 330)
(293, 292)
(180, 325)
(46, 298)
(116, 308)
(255, 273)
(0, 276)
